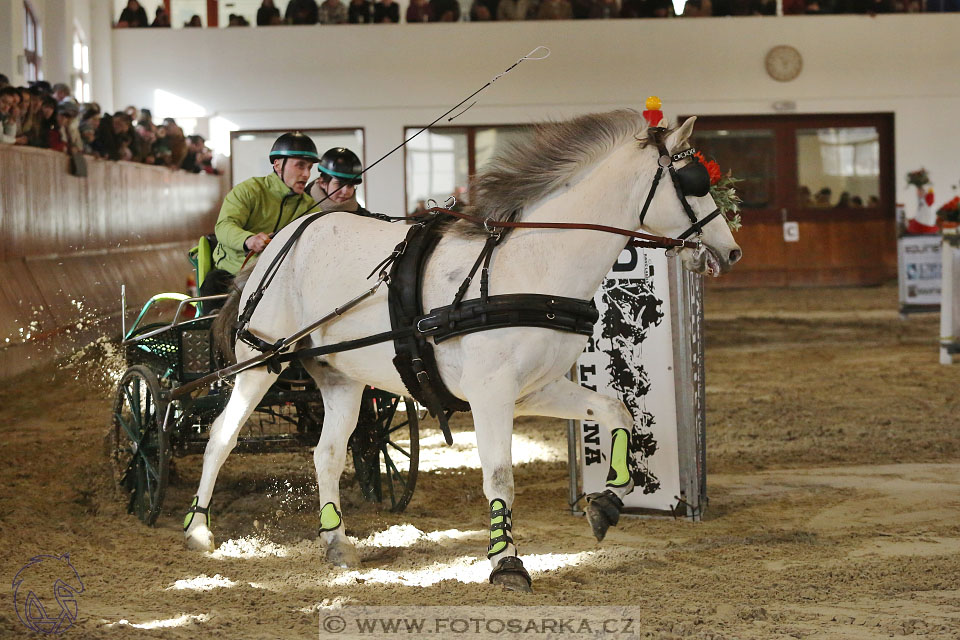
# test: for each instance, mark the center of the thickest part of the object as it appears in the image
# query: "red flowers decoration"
(712, 168)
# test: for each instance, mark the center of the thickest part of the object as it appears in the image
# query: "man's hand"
(256, 243)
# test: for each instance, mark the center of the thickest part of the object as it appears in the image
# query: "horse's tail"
(225, 324)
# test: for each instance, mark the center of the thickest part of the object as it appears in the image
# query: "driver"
(254, 210)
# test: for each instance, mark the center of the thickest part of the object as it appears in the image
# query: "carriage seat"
(201, 256)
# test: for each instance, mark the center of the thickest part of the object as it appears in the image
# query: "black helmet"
(294, 145)
(343, 164)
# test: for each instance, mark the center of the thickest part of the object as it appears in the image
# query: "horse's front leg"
(492, 399)
(341, 406)
(565, 399)
(250, 387)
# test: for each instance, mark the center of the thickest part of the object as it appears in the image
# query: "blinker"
(694, 179)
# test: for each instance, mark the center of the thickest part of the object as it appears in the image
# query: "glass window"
(251, 150)
(437, 165)
(749, 154)
(489, 140)
(838, 167)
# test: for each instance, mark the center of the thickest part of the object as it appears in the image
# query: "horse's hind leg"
(341, 407)
(565, 399)
(250, 387)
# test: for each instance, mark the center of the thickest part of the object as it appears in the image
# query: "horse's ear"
(682, 134)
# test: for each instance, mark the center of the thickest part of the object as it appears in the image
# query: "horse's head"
(682, 202)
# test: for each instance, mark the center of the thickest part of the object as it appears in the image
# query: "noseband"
(692, 180)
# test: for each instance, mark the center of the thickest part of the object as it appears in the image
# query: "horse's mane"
(531, 168)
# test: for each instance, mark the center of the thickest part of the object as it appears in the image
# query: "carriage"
(149, 428)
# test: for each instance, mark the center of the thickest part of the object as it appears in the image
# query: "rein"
(638, 239)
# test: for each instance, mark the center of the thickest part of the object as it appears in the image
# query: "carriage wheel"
(138, 447)
(386, 448)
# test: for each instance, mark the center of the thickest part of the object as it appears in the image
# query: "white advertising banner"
(920, 267)
(631, 357)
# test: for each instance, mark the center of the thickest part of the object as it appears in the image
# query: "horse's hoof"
(603, 511)
(199, 538)
(343, 554)
(511, 575)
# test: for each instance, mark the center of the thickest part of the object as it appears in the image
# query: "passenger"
(257, 208)
(336, 188)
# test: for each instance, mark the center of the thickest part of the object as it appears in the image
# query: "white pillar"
(949, 300)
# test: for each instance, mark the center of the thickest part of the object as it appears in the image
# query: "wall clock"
(783, 63)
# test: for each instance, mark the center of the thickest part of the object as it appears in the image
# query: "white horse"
(592, 169)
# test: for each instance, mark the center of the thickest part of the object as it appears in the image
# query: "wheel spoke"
(389, 463)
(398, 427)
(397, 447)
(134, 437)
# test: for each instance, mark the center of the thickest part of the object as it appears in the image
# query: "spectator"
(937, 6)
(856, 202)
(844, 201)
(161, 19)
(194, 22)
(133, 16)
(146, 119)
(386, 11)
(302, 12)
(267, 14)
(420, 11)
(4, 81)
(30, 115)
(192, 161)
(514, 9)
(40, 135)
(87, 134)
(445, 10)
(603, 9)
(822, 199)
(636, 9)
(360, 12)
(662, 8)
(60, 91)
(107, 142)
(480, 12)
(333, 12)
(176, 141)
(697, 9)
(133, 113)
(60, 137)
(9, 109)
(160, 150)
(555, 10)
(237, 20)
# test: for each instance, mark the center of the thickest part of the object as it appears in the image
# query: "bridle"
(691, 180)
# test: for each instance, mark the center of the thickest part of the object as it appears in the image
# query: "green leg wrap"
(619, 474)
(330, 518)
(501, 524)
(194, 508)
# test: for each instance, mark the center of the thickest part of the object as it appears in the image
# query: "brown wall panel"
(66, 240)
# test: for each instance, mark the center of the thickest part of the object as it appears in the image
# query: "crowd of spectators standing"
(48, 117)
(367, 11)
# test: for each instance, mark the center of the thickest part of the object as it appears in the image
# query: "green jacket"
(256, 205)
